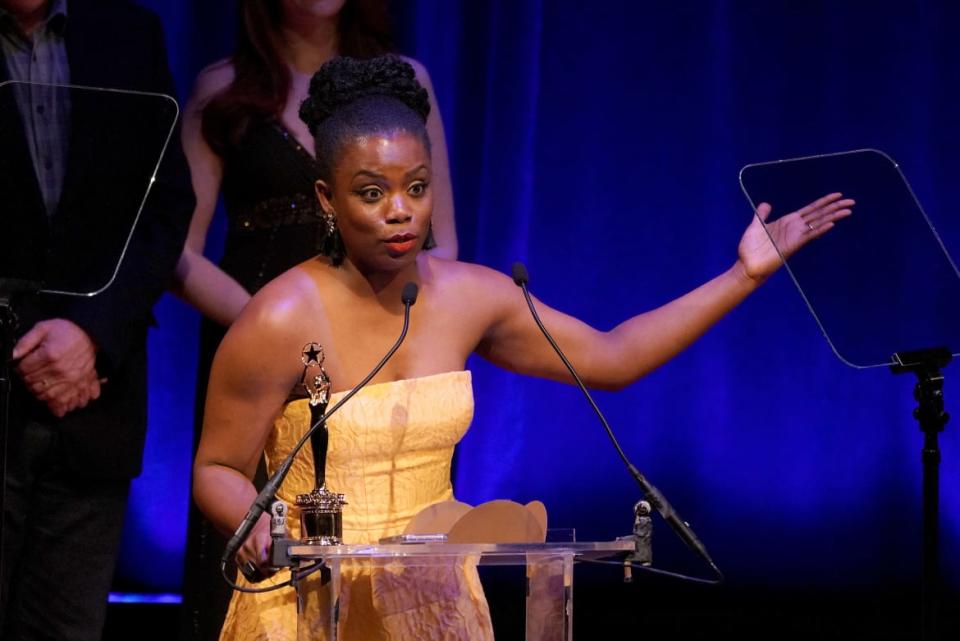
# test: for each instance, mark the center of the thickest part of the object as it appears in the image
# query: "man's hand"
(57, 363)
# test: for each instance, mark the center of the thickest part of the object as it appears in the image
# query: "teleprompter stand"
(927, 366)
(10, 288)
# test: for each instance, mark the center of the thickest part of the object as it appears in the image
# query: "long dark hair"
(261, 78)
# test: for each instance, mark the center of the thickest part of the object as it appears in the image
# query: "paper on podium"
(499, 521)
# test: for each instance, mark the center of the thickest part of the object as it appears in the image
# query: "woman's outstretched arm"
(616, 358)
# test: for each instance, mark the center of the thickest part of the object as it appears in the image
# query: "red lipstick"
(400, 244)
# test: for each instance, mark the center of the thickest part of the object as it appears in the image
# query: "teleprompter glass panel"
(76, 163)
(881, 282)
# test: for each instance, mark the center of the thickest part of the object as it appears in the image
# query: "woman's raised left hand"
(759, 256)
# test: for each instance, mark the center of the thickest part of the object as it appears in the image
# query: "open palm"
(759, 255)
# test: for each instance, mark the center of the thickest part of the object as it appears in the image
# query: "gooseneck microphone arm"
(651, 493)
(266, 496)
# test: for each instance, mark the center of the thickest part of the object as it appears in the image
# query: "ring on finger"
(810, 227)
(251, 571)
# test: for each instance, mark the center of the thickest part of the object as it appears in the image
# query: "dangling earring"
(430, 242)
(329, 222)
(331, 244)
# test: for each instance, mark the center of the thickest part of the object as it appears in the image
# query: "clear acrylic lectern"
(549, 576)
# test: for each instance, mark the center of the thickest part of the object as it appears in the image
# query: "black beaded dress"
(273, 223)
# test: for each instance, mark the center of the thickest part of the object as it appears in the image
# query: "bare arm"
(444, 220)
(198, 280)
(641, 344)
(248, 386)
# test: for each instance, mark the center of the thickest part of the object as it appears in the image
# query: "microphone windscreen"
(520, 276)
(409, 294)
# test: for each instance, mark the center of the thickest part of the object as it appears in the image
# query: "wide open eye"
(418, 188)
(370, 194)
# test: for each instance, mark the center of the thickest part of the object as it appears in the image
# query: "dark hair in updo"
(350, 98)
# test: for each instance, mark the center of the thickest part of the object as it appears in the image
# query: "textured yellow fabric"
(390, 451)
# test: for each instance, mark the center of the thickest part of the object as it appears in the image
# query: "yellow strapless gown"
(389, 452)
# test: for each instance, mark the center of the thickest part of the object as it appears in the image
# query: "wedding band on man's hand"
(251, 571)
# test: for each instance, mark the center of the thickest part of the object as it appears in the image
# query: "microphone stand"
(266, 496)
(650, 492)
(9, 322)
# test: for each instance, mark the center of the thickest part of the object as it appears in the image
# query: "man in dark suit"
(73, 168)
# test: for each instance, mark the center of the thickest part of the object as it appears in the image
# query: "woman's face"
(382, 199)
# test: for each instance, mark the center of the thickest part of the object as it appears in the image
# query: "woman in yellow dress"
(391, 445)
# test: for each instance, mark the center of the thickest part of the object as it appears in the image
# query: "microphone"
(266, 496)
(408, 295)
(651, 493)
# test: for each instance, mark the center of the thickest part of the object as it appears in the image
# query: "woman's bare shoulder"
(283, 305)
(421, 72)
(266, 340)
(418, 67)
(211, 80)
(476, 280)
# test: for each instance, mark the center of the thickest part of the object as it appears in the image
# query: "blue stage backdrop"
(600, 143)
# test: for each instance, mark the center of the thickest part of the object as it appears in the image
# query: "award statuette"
(321, 511)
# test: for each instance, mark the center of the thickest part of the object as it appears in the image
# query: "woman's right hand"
(255, 552)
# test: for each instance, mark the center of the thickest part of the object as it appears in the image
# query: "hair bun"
(341, 81)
